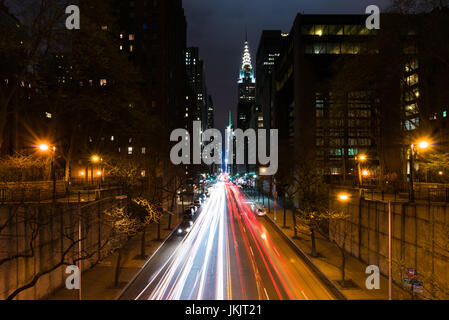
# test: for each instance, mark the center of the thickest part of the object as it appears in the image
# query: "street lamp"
(423, 145)
(360, 158)
(96, 159)
(45, 147)
(344, 197)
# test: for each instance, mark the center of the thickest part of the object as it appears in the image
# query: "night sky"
(217, 27)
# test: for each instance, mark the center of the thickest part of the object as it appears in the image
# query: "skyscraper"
(247, 89)
(196, 80)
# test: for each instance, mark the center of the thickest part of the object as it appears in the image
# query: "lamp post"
(44, 147)
(96, 159)
(360, 158)
(423, 145)
(390, 250)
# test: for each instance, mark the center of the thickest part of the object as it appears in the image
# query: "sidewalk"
(97, 283)
(329, 261)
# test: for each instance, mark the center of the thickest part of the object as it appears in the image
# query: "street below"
(230, 253)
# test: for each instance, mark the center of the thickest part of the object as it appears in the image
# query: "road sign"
(412, 273)
(407, 282)
(418, 287)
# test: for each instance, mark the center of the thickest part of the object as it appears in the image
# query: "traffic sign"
(412, 273)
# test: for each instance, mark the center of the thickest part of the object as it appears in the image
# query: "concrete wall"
(420, 239)
(55, 229)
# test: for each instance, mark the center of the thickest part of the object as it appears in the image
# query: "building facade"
(326, 116)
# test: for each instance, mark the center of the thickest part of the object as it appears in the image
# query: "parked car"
(189, 212)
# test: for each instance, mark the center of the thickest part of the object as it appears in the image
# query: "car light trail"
(231, 253)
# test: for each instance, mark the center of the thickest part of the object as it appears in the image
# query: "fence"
(421, 193)
(41, 193)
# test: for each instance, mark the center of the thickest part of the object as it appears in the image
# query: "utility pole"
(412, 174)
(390, 249)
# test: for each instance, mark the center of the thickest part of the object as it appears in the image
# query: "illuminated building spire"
(246, 71)
(246, 59)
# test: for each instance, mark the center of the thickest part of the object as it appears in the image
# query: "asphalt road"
(229, 253)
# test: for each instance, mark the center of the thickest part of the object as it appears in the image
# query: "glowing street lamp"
(365, 173)
(360, 158)
(45, 147)
(440, 173)
(422, 145)
(95, 158)
(343, 197)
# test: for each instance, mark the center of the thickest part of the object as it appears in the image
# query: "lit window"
(131, 48)
(48, 115)
(103, 82)
(112, 138)
(131, 37)
(121, 35)
(130, 150)
(104, 28)
(444, 114)
(121, 47)
(144, 150)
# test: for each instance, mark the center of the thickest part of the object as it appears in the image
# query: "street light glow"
(362, 157)
(82, 173)
(423, 144)
(343, 197)
(95, 158)
(98, 173)
(44, 147)
(365, 173)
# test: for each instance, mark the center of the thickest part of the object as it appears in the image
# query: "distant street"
(230, 253)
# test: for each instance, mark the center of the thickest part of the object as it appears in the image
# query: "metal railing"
(422, 194)
(38, 195)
